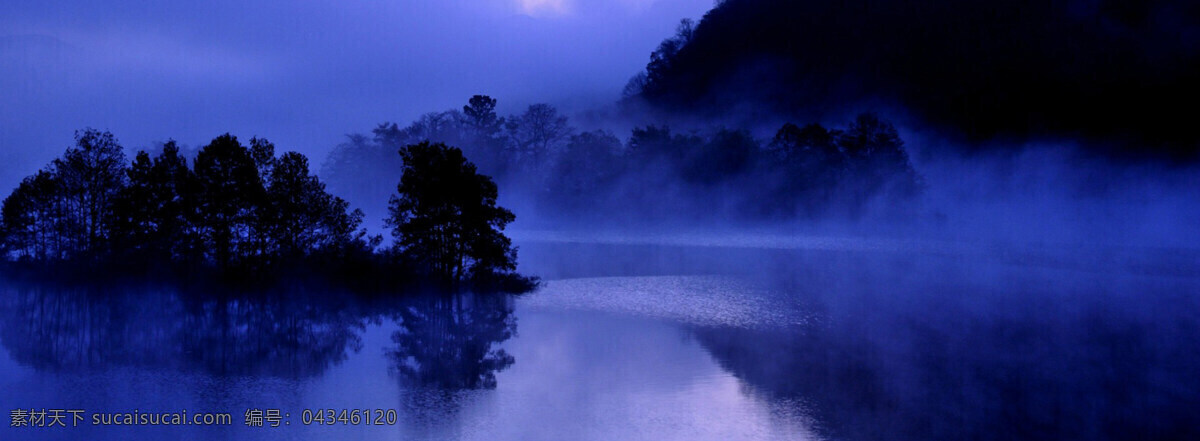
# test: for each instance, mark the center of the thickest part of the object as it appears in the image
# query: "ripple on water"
(695, 300)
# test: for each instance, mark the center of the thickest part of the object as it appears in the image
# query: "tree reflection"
(443, 343)
(273, 338)
(64, 329)
(451, 342)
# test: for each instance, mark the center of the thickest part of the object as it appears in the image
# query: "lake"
(683, 337)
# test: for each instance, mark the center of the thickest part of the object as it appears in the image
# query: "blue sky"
(301, 72)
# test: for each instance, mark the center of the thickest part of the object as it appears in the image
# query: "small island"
(242, 214)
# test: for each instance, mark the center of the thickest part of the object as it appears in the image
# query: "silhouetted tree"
(445, 216)
(445, 127)
(33, 217)
(484, 133)
(263, 154)
(726, 154)
(230, 195)
(588, 167)
(481, 118)
(263, 242)
(842, 169)
(877, 159)
(868, 135)
(242, 209)
(811, 164)
(90, 174)
(812, 143)
(362, 170)
(662, 59)
(536, 134)
(155, 211)
(304, 217)
(634, 86)
(654, 144)
(805, 171)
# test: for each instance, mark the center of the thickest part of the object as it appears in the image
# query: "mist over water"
(638, 340)
(747, 243)
(915, 345)
(1018, 194)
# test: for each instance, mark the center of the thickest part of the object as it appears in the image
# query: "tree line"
(241, 209)
(802, 172)
(1003, 70)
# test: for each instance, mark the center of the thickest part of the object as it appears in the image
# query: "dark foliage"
(1013, 68)
(240, 212)
(808, 172)
(444, 216)
(589, 167)
(229, 202)
(157, 209)
(64, 212)
(725, 155)
(655, 145)
(34, 216)
(535, 136)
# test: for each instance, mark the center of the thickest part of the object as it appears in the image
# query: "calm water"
(764, 339)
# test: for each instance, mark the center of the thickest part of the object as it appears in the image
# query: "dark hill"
(1120, 72)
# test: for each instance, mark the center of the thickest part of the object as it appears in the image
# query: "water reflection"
(839, 345)
(962, 342)
(1016, 365)
(452, 342)
(448, 342)
(268, 337)
(74, 329)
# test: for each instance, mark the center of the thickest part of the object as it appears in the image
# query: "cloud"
(538, 8)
